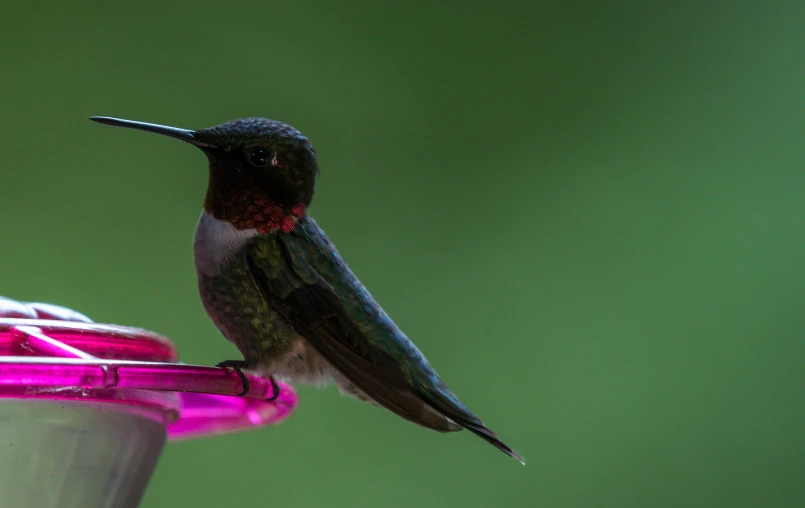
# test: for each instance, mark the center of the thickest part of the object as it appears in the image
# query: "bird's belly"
(244, 316)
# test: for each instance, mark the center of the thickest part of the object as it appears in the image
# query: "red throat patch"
(252, 210)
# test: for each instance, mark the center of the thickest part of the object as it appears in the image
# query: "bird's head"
(262, 172)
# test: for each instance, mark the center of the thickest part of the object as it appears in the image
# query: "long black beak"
(173, 132)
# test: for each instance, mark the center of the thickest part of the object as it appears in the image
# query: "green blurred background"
(588, 215)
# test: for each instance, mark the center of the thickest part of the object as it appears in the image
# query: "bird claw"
(238, 366)
(275, 389)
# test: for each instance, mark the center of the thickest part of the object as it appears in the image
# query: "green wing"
(309, 285)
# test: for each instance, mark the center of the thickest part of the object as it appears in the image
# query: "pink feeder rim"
(52, 352)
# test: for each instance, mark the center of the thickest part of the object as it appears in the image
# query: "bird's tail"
(491, 438)
(448, 404)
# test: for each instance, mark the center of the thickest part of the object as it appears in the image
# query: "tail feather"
(491, 438)
(445, 402)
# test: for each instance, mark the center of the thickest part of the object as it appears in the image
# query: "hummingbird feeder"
(86, 408)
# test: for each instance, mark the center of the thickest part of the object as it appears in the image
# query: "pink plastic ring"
(47, 358)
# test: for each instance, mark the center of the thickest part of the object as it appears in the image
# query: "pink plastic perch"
(52, 352)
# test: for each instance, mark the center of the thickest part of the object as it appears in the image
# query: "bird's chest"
(234, 302)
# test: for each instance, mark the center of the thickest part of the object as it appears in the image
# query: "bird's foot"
(238, 366)
(275, 389)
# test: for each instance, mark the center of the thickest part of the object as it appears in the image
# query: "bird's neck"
(251, 208)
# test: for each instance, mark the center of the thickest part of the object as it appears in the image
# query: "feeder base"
(76, 454)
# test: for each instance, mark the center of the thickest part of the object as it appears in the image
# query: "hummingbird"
(276, 287)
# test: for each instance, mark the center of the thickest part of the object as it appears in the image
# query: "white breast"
(215, 243)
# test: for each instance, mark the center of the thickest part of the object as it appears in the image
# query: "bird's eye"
(260, 157)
